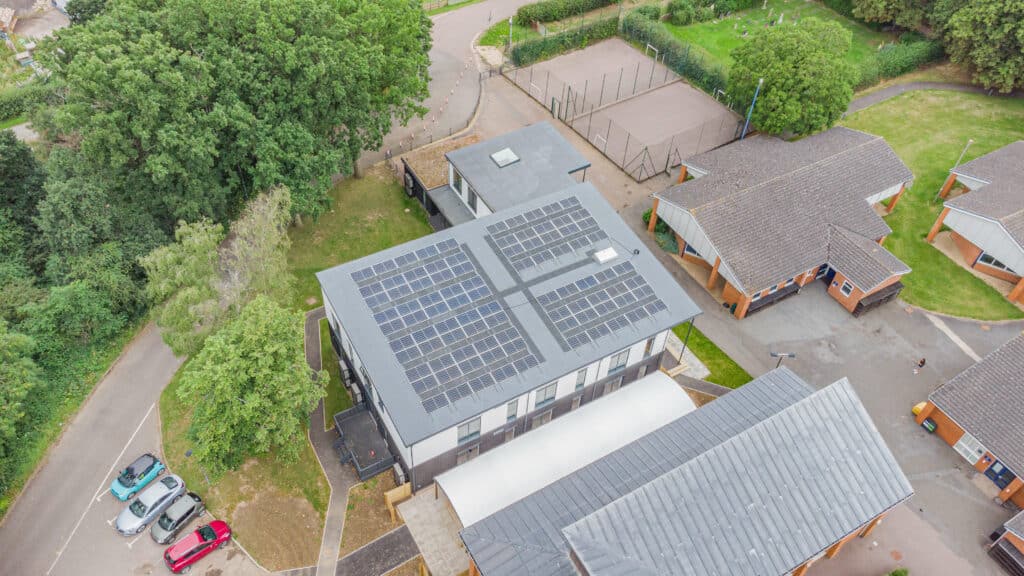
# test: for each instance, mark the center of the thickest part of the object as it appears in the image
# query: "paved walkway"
(888, 92)
(381, 555)
(436, 532)
(339, 476)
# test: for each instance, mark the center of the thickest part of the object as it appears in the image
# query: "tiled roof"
(767, 204)
(759, 504)
(1002, 197)
(986, 401)
(862, 260)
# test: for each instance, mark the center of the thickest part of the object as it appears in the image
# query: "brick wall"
(945, 428)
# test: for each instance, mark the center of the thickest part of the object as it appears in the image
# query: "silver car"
(176, 517)
(149, 504)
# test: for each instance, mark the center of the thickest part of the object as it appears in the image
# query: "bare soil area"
(367, 517)
(282, 531)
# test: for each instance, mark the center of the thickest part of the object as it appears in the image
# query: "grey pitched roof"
(760, 504)
(526, 537)
(463, 320)
(545, 162)
(1015, 525)
(766, 204)
(986, 401)
(1002, 197)
(450, 205)
(862, 260)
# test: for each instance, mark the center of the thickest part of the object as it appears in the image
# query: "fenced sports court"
(629, 106)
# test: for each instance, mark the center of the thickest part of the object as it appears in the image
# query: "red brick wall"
(971, 252)
(944, 427)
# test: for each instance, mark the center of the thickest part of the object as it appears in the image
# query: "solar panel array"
(600, 305)
(542, 234)
(446, 327)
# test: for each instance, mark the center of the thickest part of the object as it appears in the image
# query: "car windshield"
(138, 508)
(165, 522)
(207, 534)
(171, 482)
(127, 478)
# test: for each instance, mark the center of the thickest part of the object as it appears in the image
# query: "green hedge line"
(526, 53)
(551, 10)
(677, 55)
(898, 59)
(20, 100)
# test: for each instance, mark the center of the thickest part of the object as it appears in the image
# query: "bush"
(704, 14)
(897, 59)
(652, 11)
(844, 7)
(867, 73)
(551, 10)
(660, 228)
(681, 12)
(677, 55)
(21, 100)
(531, 51)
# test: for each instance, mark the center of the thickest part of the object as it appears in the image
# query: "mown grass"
(447, 7)
(716, 39)
(724, 371)
(928, 130)
(497, 35)
(337, 398)
(5, 124)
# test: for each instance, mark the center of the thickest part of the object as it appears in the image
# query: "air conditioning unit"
(605, 256)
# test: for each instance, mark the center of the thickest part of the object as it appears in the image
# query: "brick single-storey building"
(764, 481)
(987, 220)
(980, 412)
(1008, 548)
(770, 216)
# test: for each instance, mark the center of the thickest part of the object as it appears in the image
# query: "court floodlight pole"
(751, 110)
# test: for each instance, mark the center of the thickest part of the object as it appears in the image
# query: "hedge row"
(530, 51)
(20, 100)
(844, 7)
(551, 10)
(677, 55)
(897, 59)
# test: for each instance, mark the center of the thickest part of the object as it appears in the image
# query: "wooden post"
(1017, 291)
(742, 306)
(947, 186)
(654, 217)
(714, 273)
(473, 570)
(835, 549)
(682, 174)
(881, 240)
(937, 226)
(801, 570)
(681, 244)
(895, 199)
(870, 527)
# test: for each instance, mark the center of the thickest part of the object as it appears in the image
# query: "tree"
(21, 179)
(988, 37)
(81, 11)
(906, 13)
(181, 280)
(807, 82)
(192, 106)
(71, 315)
(19, 375)
(255, 260)
(251, 388)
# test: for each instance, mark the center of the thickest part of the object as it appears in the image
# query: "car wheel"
(223, 544)
(186, 570)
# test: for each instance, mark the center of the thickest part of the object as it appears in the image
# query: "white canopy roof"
(510, 472)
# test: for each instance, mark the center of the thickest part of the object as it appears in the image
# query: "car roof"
(158, 489)
(188, 542)
(180, 507)
(142, 462)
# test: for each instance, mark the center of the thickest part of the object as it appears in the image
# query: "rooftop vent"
(504, 157)
(605, 256)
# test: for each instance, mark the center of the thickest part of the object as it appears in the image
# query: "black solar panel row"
(546, 233)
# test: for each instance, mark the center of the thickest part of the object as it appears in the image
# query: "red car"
(185, 552)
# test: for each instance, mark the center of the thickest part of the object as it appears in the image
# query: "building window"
(576, 402)
(457, 181)
(471, 199)
(689, 250)
(581, 378)
(540, 420)
(612, 386)
(822, 270)
(648, 347)
(789, 282)
(846, 288)
(511, 410)
(467, 454)
(545, 395)
(618, 361)
(642, 372)
(510, 434)
(773, 289)
(469, 431)
(988, 260)
(756, 297)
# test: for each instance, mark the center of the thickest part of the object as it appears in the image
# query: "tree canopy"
(189, 107)
(807, 82)
(905, 13)
(251, 388)
(988, 37)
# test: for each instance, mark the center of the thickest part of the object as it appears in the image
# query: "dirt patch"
(699, 398)
(430, 164)
(282, 531)
(410, 568)
(367, 518)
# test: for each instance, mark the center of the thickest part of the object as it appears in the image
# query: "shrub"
(660, 228)
(652, 11)
(532, 51)
(867, 73)
(681, 12)
(896, 59)
(704, 14)
(21, 100)
(551, 10)
(844, 7)
(677, 55)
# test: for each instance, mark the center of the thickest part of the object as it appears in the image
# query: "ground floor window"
(846, 288)
(822, 270)
(612, 386)
(689, 250)
(540, 420)
(467, 454)
(576, 402)
(510, 434)
(989, 260)
(756, 297)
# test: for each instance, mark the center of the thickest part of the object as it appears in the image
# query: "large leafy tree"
(905, 13)
(19, 375)
(21, 183)
(189, 107)
(988, 37)
(250, 387)
(807, 82)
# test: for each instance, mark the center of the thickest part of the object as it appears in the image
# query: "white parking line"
(952, 336)
(111, 521)
(102, 485)
(136, 539)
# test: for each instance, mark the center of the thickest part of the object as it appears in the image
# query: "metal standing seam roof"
(986, 401)
(767, 204)
(545, 161)
(463, 320)
(526, 538)
(760, 504)
(863, 261)
(1015, 525)
(1002, 197)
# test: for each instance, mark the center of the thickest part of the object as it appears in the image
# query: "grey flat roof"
(545, 161)
(463, 320)
(450, 205)
(526, 538)
(767, 204)
(759, 504)
(1002, 197)
(986, 401)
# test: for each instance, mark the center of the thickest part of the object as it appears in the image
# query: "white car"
(149, 505)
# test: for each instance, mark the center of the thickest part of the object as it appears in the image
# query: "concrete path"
(339, 476)
(24, 132)
(897, 89)
(381, 555)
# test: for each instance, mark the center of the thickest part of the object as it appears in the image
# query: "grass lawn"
(337, 398)
(928, 130)
(366, 517)
(368, 215)
(497, 35)
(5, 124)
(446, 7)
(724, 370)
(717, 38)
(276, 509)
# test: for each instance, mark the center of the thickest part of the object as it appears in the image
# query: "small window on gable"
(846, 288)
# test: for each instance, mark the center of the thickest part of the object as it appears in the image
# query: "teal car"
(135, 477)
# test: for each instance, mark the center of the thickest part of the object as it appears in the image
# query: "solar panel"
(529, 240)
(599, 305)
(444, 323)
